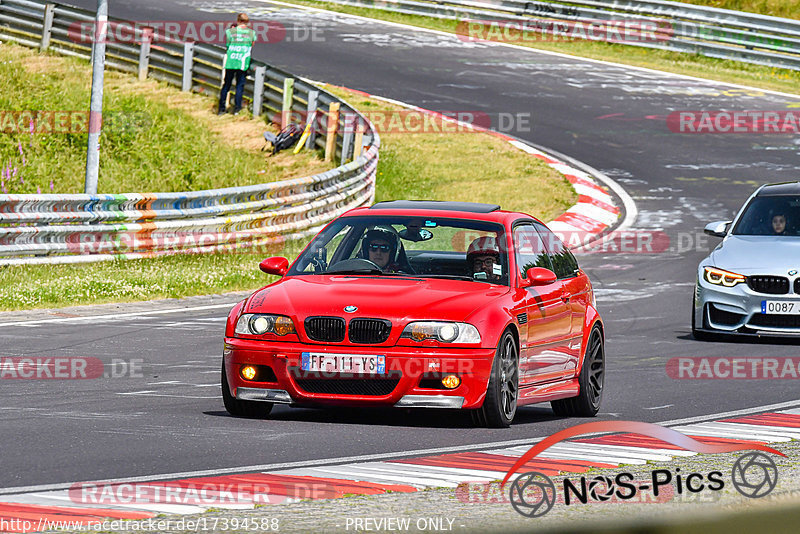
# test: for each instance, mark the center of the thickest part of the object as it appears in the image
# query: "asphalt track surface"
(611, 117)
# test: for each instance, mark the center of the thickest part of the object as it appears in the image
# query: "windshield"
(770, 215)
(408, 246)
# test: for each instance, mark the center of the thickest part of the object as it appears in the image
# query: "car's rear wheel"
(500, 404)
(590, 381)
(241, 408)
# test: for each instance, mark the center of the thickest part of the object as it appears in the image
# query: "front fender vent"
(522, 318)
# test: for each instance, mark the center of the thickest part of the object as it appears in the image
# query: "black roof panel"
(786, 188)
(472, 207)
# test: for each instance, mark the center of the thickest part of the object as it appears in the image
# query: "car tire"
(700, 335)
(241, 408)
(590, 381)
(502, 393)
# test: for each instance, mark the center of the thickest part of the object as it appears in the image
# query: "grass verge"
(775, 8)
(678, 63)
(456, 166)
(155, 137)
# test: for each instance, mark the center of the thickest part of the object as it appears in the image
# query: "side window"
(564, 263)
(529, 249)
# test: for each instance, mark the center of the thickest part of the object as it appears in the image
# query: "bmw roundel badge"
(792, 272)
(350, 309)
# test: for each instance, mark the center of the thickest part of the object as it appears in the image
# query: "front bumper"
(737, 310)
(410, 371)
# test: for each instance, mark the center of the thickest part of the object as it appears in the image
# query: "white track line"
(755, 429)
(619, 452)
(427, 470)
(118, 315)
(734, 413)
(366, 475)
(697, 430)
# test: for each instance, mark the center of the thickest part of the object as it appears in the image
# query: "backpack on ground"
(286, 138)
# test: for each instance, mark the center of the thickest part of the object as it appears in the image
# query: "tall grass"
(774, 8)
(154, 138)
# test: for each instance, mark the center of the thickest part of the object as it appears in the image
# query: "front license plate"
(373, 364)
(780, 307)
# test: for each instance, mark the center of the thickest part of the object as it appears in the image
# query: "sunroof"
(472, 207)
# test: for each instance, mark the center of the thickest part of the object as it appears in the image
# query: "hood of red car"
(383, 297)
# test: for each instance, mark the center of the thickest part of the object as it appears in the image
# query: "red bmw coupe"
(421, 304)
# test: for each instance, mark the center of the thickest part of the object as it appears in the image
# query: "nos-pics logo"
(533, 494)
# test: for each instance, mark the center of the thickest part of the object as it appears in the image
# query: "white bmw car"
(750, 283)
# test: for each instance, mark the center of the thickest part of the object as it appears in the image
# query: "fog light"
(451, 381)
(248, 372)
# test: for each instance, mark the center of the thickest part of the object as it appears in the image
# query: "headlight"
(441, 331)
(259, 323)
(722, 278)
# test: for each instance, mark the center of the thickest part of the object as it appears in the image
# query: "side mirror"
(538, 276)
(275, 265)
(717, 229)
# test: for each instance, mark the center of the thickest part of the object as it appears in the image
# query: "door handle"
(565, 297)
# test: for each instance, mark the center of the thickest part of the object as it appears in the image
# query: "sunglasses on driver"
(374, 247)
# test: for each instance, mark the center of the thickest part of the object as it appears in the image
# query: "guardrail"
(712, 32)
(85, 228)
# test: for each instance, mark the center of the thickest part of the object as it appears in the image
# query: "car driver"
(483, 257)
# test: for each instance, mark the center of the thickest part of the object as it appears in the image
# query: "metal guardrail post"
(222, 82)
(258, 90)
(333, 124)
(288, 97)
(359, 141)
(188, 63)
(96, 100)
(313, 102)
(144, 53)
(47, 26)
(349, 125)
(347, 144)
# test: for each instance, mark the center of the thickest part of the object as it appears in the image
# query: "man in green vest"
(240, 39)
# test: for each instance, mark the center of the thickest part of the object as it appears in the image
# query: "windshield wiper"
(448, 276)
(354, 271)
(367, 271)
